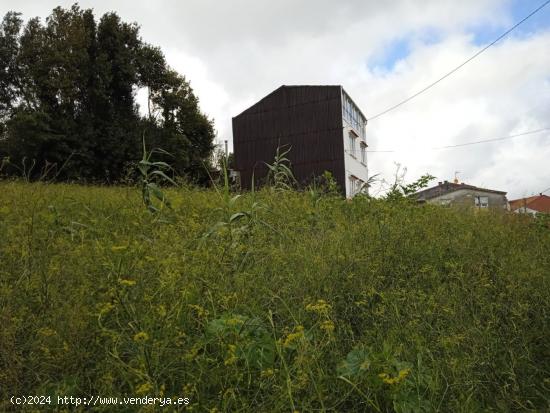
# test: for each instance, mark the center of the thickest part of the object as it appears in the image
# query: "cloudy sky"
(235, 52)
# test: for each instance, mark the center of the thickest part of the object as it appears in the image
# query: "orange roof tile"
(540, 203)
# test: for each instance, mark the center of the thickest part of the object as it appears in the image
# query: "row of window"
(353, 147)
(479, 201)
(352, 115)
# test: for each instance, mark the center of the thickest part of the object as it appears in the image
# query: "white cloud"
(236, 52)
(504, 92)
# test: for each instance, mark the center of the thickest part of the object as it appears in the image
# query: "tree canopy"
(68, 96)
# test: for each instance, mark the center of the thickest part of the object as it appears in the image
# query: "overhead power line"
(546, 190)
(478, 141)
(493, 139)
(461, 65)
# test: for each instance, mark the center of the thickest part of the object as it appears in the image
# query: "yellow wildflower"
(293, 337)
(233, 321)
(404, 373)
(386, 378)
(188, 389)
(141, 337)
(327, 326)
(201, 312)
(47, 332)
(161, 310)
(191, 354)
(105, 308)
(320, 307)
(267, 373)
(227, 299)
(144, 388)
(302, 380)
(231, 356)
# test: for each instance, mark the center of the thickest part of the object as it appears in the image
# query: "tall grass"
(302, 303)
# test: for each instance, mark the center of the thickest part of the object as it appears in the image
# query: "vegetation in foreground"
(273, 301)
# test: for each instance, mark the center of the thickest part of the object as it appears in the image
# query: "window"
(353, 116)
(348, 108)
(356, 185)
(363, 153)
(352, 181)
(482, 201)
(351, 140)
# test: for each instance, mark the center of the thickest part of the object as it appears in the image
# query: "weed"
(280, 174)
(151, 175)
(374, 305)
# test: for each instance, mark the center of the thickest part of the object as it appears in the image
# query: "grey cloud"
(235, 52)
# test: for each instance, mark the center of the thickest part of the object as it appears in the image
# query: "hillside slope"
(271, 302)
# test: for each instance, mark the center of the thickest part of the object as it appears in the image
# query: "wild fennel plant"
(234, 222)
(151, 175)
(280, 174)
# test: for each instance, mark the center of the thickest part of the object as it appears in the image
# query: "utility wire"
(547, 189)
(461, 65)
(494, 139)
(479, 141)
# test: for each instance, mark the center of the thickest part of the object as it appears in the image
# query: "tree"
(68, 94)
(10, 28)
(400, 190)
(185, 132)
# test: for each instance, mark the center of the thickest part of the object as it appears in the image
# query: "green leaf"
(236, 216)
(234, 199)
(258, 352)
(161, 151)
(156, 191)
(161, 164)
(356, 363)
(164, 176)
(227, 324)
(255, 345)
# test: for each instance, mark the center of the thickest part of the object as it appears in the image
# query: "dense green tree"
(185, 130)
(68, 97)
(10, 27)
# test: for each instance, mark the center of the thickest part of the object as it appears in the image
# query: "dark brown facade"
(306, 118)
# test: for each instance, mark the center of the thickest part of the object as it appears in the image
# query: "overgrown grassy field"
(299, 302)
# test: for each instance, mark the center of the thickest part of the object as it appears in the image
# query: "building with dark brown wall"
(323, 127)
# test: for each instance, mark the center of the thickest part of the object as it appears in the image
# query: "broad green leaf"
(356, 362)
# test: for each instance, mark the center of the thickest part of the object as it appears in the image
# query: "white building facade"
(355, 147)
